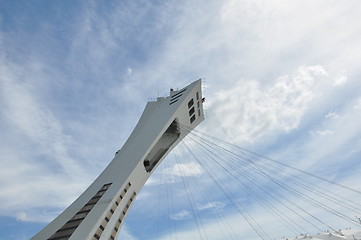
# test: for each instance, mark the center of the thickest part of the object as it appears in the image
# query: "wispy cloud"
(182, 215)
(276, 81)
(323, 133)
(35, 146)
(185, 169)
(331, 115)
(212, 205)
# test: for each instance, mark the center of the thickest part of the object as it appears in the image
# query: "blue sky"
(281, 78)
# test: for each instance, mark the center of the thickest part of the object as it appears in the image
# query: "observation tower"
(100, 210)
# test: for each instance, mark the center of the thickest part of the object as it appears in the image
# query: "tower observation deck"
(99, 212)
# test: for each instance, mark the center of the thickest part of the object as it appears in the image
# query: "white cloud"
(235, 224)
(182, 215)
(24, 110)
(332, 141)
(323, 133)
(331, 115)
(185, 169)
(249, 111)
(151, 181)
(35, 149)
(212, 205)
(241, 47)
(340, 79)
(129, 71)
(22, 216)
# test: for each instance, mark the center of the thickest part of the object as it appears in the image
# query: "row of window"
(176, 96)
(122, 216)
(104, 223)
(69, 227)
(191, 108)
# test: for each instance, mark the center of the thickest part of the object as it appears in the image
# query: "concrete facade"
(100, 211)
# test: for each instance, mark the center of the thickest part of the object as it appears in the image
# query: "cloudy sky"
(281, 78)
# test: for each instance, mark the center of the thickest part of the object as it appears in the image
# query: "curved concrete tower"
(99, 212)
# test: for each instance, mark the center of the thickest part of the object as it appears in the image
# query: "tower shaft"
(99, 211)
